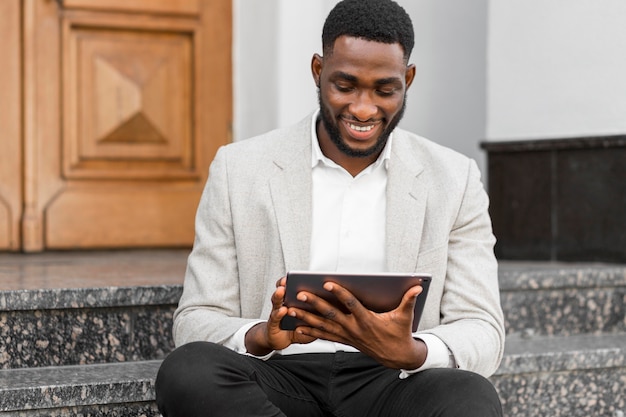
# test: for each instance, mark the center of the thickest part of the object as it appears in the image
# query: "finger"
(329, 309)
(345, 297)
(281, 282)
(278, 297)
(300, 337)
(278, 309)
(320, 333)
(323, 314)
(409, 298)
(318, 327)
(277, 315)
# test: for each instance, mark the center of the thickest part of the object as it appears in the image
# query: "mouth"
(361, 131)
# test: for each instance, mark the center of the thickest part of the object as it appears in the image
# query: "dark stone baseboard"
(559, 199)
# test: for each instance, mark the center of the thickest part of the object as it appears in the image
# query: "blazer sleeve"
(471, 319)
(209, 308)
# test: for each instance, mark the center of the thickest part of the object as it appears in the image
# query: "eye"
(344, 88)
(386, 92)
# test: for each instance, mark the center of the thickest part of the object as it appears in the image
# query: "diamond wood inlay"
(133, 100)
(121, 111)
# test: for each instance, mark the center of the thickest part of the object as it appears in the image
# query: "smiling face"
(362, 90)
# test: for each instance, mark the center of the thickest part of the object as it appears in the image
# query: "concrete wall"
(556, 69)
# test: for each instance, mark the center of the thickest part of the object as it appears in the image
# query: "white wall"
(446, 102)
(255, 54)
(275, 40)
(556, 69)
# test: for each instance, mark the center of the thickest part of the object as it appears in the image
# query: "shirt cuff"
(237, 341)
(438, 356)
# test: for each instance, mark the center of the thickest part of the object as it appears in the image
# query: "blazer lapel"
(291, 197)
(407, 195)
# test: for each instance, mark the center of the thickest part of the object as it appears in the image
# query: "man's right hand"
(268, 336)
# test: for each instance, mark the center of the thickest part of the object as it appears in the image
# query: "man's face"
(362, 96)
(334, 133)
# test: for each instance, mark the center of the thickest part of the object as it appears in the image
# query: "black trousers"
(205, 379)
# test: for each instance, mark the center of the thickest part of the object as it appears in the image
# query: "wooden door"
(124, 103)
(10, 125)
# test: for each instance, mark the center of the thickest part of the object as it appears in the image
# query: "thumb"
(409, 298)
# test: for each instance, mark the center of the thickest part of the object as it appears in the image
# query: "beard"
(332, 128)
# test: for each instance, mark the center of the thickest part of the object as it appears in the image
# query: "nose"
(363, 107)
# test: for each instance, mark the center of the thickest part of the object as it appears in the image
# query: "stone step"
(578, 375)
(125, 313)
(85, 326)
(86, 308)
(114, 389)
(560, 299)
(581, 375)
(84, 334)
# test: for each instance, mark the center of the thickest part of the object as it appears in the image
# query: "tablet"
(378, 292)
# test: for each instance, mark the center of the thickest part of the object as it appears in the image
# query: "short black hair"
(374, 20)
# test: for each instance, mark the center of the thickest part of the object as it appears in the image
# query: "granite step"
(114, 389)
(579, 375)
(119, 307)
(560, 299)
(83, 334)
(557, 376)
(94, 325)
(100, 307)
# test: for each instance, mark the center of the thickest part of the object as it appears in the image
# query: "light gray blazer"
(254, 224)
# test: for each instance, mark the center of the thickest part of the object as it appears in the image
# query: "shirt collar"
(318, 157)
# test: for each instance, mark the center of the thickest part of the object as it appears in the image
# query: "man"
(343, 190)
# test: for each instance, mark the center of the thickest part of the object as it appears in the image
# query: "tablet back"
(379, 292)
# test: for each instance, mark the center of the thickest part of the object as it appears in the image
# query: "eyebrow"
(346, 76)
(390, 80)
(383, 81)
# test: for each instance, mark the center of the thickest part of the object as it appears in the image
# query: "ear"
(316, 68)
(409, 75)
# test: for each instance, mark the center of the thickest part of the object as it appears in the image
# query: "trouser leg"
(205, 379)
(364, 388)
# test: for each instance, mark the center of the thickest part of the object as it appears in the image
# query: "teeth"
(361, 128)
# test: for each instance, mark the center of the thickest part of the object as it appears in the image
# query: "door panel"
(125, 106)
(121, 216)
(156, 6)
(10, 126)
(128, 91)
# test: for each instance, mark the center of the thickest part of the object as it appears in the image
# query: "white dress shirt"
(348, 235)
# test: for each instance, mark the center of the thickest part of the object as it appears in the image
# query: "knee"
(471, 395)
(184, 362)
(185, 375)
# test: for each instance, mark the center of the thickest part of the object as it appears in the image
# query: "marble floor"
(19, 271)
